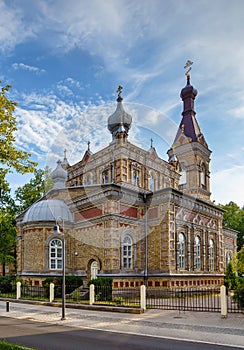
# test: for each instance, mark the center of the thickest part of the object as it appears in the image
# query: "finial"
(88, 145)
(119, 91)
(151, 142)
(65, 153)
(188, 67)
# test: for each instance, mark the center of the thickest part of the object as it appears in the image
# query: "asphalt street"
(155, 329)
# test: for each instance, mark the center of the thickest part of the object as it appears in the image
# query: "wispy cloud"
(17, 66)
(13, 29)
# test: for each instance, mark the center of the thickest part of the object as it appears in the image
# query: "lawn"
(7, 346)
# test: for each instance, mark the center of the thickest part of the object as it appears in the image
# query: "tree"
(7, 239)
(34, 190)
(233, 218)
(240, 262)
(7, 227)
(230, 277)
(11, 158)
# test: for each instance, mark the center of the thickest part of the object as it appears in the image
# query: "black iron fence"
(34, 292)
(191, 299)
(194, 299)
(204, 299)
(129, 297)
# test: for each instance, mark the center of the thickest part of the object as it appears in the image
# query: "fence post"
(18, 290)
(92, 294)
(223, 301)
(143, 297)
(51, 292)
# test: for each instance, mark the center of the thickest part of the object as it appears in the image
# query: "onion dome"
(119, 121)
(59, 176)
(48, 210)
(188, 90)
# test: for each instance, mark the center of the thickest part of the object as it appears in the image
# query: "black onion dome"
(188, 90)
(119, 119)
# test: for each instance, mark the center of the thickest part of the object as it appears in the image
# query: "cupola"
(120, 121)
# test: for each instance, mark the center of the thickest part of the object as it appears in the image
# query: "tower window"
(135, 177)
(152, 181)
(182, 175)
(203, 175)
(105, 177)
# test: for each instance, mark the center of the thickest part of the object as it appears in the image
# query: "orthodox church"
(125, 213)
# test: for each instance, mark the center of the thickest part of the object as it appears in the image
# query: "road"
(44, 336)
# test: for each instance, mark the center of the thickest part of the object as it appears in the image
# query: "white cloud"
(23, 66)
(13, 29)
(227, 185)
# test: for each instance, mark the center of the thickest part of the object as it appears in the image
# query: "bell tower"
(190, 149)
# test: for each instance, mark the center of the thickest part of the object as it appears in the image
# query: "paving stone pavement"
(194, 326)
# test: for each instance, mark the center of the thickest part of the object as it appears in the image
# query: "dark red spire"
(189, 125)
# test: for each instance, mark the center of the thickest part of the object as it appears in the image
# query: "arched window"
(105, 177)
(151, 183)
(89, 179)
(127, 252)
(228, 257)
(56, 254)
(203, 175)
(197, 253)
(136, 177)
(182, 175)
(181, 251)
(211, 255)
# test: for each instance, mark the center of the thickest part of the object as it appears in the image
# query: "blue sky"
(65, 60)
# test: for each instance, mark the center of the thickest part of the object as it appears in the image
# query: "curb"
(119, 309)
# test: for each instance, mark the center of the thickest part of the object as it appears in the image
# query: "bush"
(239, 293)
(103, 288)
(230, 279)
(71, 283)
(7, 283)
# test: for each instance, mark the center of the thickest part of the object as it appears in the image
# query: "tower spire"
(190, 147)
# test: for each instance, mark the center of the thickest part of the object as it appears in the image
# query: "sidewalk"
(194, 326)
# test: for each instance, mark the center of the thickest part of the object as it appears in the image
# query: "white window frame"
(56, 254)
(197, 251)
(211, 254)
(181, 251)
(127, 252)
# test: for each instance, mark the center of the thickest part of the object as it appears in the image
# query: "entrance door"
(94, 270)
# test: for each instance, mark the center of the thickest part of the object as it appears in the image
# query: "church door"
(94, 270)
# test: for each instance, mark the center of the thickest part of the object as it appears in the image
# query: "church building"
(128, 214)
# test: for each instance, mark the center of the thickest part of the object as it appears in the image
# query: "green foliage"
(239, 293)
(230, 277)
(240, 262)
(101, 281)
(34, 190)
(10, 157)
(234, 218)
(71, 283)
(4, 345)
(7, 238)
(103, 288)
(7, 283)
